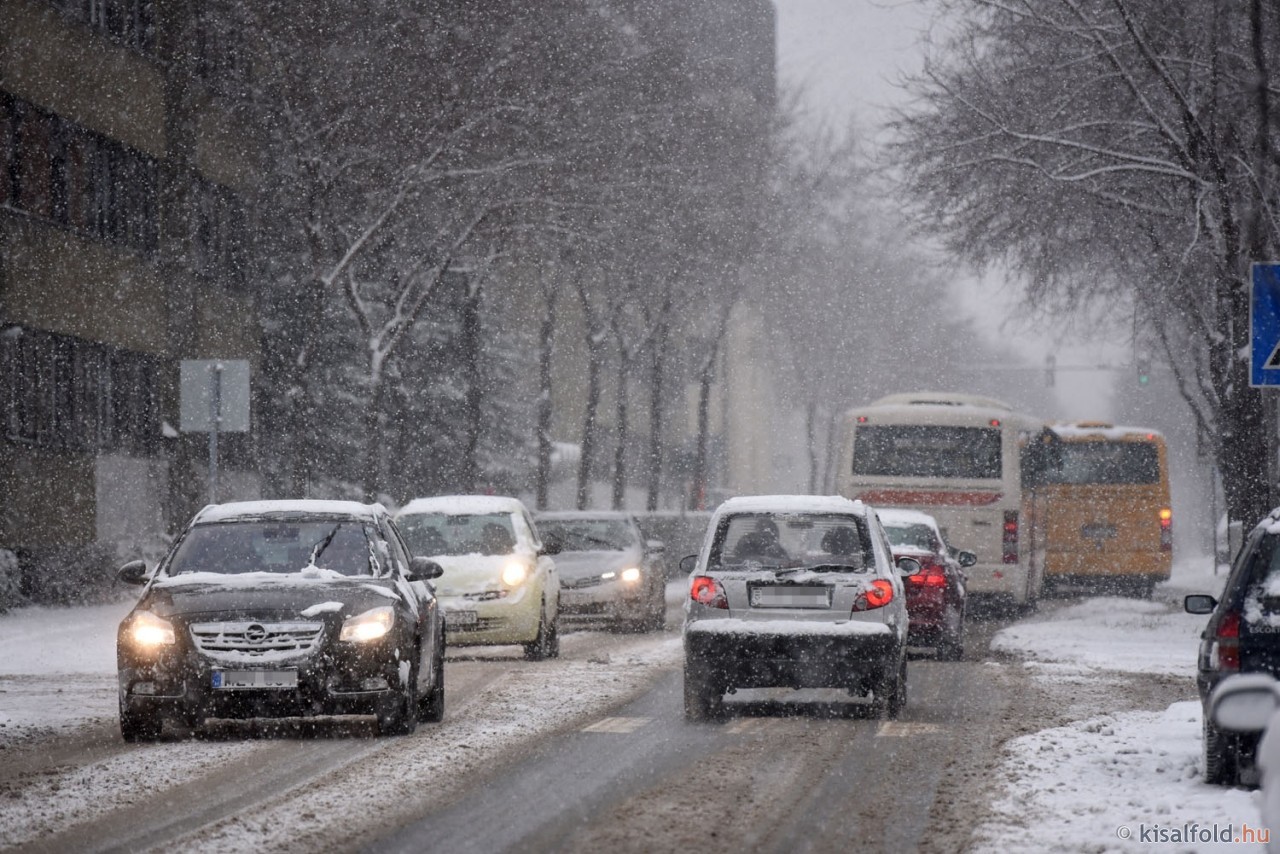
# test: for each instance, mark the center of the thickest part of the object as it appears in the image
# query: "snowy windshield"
(429, 534)
(239, 547)
(912, 536)
(589, 535)
(916, 450)
(769, 540)
(1107, 463)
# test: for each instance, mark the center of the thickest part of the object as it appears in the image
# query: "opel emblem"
(256, 633)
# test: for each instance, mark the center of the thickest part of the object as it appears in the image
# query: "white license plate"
(231, 679)
(791, 597)
(459, 618)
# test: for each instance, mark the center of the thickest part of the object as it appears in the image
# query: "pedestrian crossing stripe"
(620, 726)
(902, 729)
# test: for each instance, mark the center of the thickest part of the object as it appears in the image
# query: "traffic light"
(1143, 364)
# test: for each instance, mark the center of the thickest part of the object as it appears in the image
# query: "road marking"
(901, 729)
(617, 725)
(746, 725)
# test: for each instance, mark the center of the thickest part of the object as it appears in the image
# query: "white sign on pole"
(205, 388)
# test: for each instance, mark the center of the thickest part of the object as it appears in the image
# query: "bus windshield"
(1107, 463)
(918, 450)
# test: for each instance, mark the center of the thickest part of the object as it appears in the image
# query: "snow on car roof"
(791, 504)
(928, 398)
(462, 505)
(894, 516)
(1098, 431)
(303, 507)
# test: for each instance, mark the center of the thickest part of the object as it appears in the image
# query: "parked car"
(936, 596)
(608, 572)
(798, 592)
(500, 584)
(1242, 636)
(282, 608)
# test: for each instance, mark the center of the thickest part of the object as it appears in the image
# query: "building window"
(68, 394)
(55, 170)
(221, 59)
(218, 226)
(130, 22)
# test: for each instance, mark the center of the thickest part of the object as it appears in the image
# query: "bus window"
(1107, 463)
(917, 450)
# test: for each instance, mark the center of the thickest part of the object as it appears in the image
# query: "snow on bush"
(10, 581)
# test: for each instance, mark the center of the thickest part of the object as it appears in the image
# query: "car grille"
(249, 641)
(587, 581)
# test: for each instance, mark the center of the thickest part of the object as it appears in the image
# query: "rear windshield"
(917, 450)
(1107, 463)
(914, 536)
(429, 534)
(589, 535)
(771, 540)
(236, 547)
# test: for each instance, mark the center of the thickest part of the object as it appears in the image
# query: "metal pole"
(215, 421)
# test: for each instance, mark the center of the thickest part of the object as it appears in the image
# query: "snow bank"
(1114, 783)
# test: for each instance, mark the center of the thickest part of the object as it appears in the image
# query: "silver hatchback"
(798, 592)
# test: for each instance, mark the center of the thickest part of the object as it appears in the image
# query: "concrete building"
(121, 228)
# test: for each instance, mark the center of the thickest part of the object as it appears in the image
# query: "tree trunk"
(373, 437)
(620, 437)
(473, 403)
(543, 477)
(698, 490)
(657, 376)
(811, 430)
(589, 420)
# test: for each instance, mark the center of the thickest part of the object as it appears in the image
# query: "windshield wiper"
(323, 544)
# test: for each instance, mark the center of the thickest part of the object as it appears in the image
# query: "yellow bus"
(1108, 520)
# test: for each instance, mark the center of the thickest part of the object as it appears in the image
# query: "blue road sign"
(1264, 326)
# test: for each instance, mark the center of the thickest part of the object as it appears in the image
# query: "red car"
(936, 595)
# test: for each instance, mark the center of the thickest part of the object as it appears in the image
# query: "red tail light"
(877, 594)
(1228, 638)
(1166, 529)
(707, 591)
(931, 575)
(1009, 537)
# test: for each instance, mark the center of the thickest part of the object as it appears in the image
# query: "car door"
(422, 598)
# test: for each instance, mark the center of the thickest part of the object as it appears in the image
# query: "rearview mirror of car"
(688, 563)
(1199, 603)
(967, 559)
(423, 569)
(1245, 702)
(133, 572)
(551, 546)
(908, 566)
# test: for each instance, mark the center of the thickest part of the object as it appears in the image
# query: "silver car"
(798, 592)
(609, 574)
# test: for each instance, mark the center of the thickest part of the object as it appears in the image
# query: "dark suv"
(1243, 636)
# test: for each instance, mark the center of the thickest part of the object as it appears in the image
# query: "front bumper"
(495, 622)
(344, 680)
(607, 601)
(765, 659)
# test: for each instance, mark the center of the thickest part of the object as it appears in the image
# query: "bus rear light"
(1009, 537)
(1166, 529)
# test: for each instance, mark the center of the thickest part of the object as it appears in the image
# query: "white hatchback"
(797, 592)
(500, 584)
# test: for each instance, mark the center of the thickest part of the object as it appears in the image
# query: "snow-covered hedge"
(73, 575)
(10, 581)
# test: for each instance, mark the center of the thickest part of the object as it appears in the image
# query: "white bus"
(960, 459)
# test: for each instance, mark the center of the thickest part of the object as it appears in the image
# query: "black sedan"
(281, 609)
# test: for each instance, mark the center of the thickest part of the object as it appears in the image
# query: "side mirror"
(656, 547)
(967, 559)
(1199, 603)
(1245, 702)
(688, 563)
(908, 566)
(551, 546)
(423, 569)
(133, 572)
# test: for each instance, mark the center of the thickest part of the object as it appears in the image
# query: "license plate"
(272, 679)
(1098, 532)
(790, 597)
(459, 618)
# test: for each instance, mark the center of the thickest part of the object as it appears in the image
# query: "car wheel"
(553, 647)
(400, 717)
(891, 693)
(540, 647)
(703, 700)
(137, 727)
(1221, 765)
(431, 707)
(951, 649)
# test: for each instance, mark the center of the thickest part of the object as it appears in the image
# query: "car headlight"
(631, 575)
(370, 625)
(514, 573)
(149, 630)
